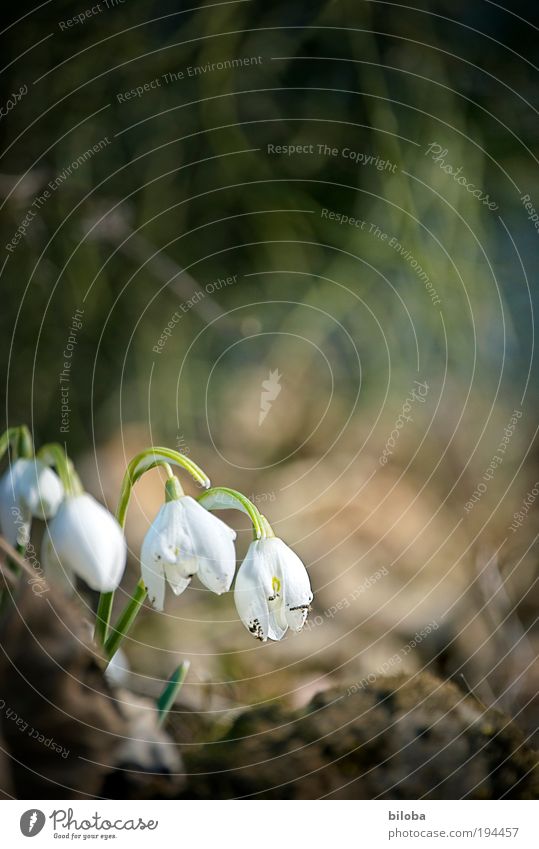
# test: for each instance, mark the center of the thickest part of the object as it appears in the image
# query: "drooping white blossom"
(27, 489)
(183, 540)
(84, 539)
(273, 591)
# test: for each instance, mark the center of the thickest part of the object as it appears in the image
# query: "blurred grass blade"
(171, 690)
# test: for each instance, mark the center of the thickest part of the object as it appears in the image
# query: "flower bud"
(86, 540)
(28, 488)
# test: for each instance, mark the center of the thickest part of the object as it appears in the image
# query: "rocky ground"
(398, 737)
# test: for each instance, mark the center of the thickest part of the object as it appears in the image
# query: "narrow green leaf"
(125, 620)
(171, 690)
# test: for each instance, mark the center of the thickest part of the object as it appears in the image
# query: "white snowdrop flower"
(15, 517)
(84, 539)
(273, 591)
(183, 540)
(40, 489)
(28, 488)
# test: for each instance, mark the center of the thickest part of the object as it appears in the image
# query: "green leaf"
(171, 690)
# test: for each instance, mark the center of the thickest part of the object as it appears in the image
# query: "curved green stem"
(106, 600)
(168, 469)
(138, 466)
(149, 459)
(19, 439)
(224, 498)
(54, 454)
(267, 527)
(173, 488)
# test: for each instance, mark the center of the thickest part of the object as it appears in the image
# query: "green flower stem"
(54, 454)
(267, 527)
(149, 459)
(138, 466)
(224, 498)
(102, 620)
(125, 620)
(168, 469)
(173, 489)
(171, 690)
(106, 600)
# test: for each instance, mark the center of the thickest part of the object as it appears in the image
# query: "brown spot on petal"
(256, 629)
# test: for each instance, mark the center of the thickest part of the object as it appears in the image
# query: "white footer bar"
(265, 824)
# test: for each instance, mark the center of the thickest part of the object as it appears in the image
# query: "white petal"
(168, 541)
(89, 541)
(297, 593)
(40, 489)
(251, 593)
(297, 617)
(187, 539)
(217, 574)
(277, 625)
(269, 551)
(160, 554)
(117, 672)
(153, 575)
(202, 520)
(15, 518)
(55, 572)
(294, 585)
(176, 578)
(211, 541)
(196, 541)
